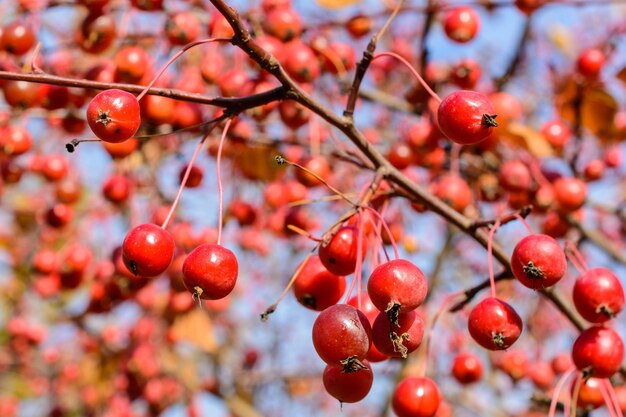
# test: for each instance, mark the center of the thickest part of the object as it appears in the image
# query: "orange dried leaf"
(621, 75)
(196, 328)
(527, 138)
(597, 108)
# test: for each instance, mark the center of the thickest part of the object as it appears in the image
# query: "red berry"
(594, 170)
(401, 339)
(195, 176)
(416, 397)
(529, 6)
(114, 115)
(17, 38)
(598, 295)
(494, 324)
(317, 288)
(466, 117)
(348, 387)
(461, 24)
(340, 253)
(371, 312)
(590, 394)
(467, 368)
(97, 33)
(182, 28)
(300, 62)
(400, 155)
(283, 23)
(342, 335)
(454, 191)
(148, 250)
(541, 374)
(570, 193)
(397, 285)
(15, 141)
(598, 352)
(556, 132)
(359, 26)
(590, 62)
(116, 188)
(466, 73)
(538, 261)
(515, 176)
(131, 63)
(210, 271)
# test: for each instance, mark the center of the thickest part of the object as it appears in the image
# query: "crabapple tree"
(409, 208)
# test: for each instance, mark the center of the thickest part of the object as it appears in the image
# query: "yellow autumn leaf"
(336, 4)
(528, 138)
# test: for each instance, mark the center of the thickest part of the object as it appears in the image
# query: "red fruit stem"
(357, 268)
(557, 390)
(413, 72)
(492, 279)
(314, 136)
(359, 259)
(384, 223)
(430, 333)
(273, 307)
(613, 396)
(185, 178)
(455, 153)
(535, 170)
(378, 241)
(175, 57)
(575, 257)
(525, 223)
(610, 405)
(576, 392)
(220, 189)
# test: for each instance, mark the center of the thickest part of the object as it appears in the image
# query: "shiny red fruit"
(210, 271)
(538, 261)
(494, 324)
(114, 115)
(148, 250)
(466, 117)
(341, 332)
(416, 397)
(371, 312)
(461, 24)
(556, 132)
(598, 352)
(397, 283)
(348, 387)
(317, 288)
(339, 255)
(570, 193)
(590, 62)
(467, 368)
(398, 340)
(598, 295)
(17, 38)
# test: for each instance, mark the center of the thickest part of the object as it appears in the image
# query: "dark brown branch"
(523, 212)
(429, 19)
(599, 240)
(235, 105)
(517, 59)
(470, 293)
